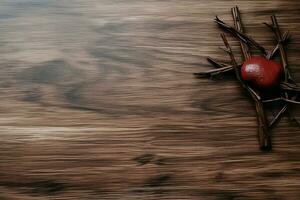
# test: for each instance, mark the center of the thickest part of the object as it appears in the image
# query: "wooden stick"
(239, 26)
(290, 87)
(287, 76)
(264, 137)
(271, 54)
(276, 118)
(281, 99)
(243, 37)
(213, 72)
(216, 62)
(279, 39)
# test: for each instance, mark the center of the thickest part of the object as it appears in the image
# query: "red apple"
(261, 72)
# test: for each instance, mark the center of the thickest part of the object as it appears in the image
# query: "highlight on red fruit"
(261, 72)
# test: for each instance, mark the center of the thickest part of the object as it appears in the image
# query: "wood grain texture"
(98, 101)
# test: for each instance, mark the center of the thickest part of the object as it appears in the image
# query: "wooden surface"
(98, 101)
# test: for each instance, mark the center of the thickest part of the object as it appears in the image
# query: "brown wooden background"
(98, 101)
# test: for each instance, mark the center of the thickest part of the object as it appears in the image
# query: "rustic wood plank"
(98, 101)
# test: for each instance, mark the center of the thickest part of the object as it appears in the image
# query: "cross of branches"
(289, 90)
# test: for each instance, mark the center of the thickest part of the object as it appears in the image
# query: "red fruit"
(261, 72)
